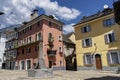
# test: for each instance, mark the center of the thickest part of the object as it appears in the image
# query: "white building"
(2, 47)
(2, 42)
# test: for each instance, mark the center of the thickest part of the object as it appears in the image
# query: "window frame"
(84, 43)
(108, 22)
(107, 38)
(60, 49)
(60, 38)
(86, 29)
(109, 57)
(50, 23)
(86, 60)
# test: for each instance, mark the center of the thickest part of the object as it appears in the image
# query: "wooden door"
(98, 62)
(50, 64)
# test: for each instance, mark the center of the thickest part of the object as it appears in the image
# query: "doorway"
(50, 64)
(28, 64)
(98, 62)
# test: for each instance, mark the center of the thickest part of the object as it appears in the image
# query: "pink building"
(44, 30)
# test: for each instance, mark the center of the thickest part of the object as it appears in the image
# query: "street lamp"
(1, 13)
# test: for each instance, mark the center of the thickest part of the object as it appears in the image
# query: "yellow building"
(98, 42)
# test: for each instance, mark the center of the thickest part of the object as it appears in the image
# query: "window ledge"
(114, 64)
(88, 65)
(111, 42)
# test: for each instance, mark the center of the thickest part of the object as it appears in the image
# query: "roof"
(95, 16)
(42, 16)
(66, 38)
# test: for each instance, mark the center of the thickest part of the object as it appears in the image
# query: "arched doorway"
(98, 61)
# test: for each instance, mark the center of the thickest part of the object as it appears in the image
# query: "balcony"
(30, 42)
(51, 52)
(51, 39)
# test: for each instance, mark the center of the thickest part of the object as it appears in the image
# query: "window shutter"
(84, 61)
(112, 20)
(119, 57)
(88, 28)
(92, 62)
(82, 30)
(108, 58)
(83, 43)
(113, 37)
(104, 23)
(90, 42)
(106, 39)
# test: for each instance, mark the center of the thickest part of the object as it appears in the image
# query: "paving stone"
(60, 75)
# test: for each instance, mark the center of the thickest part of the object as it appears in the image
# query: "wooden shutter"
(113, 37)
(88, 28)
(119, 57)
(106, 39)
(112, 21)
(84, 59)
(90, 41)
(104, 23)
(82, 30)
(83, 43)
(108, 58)
(91, 59)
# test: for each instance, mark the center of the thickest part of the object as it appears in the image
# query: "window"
(39, 36)
(36, 37)
(60, 49)
(50, 38)
(19, 33)
(36, 47)
(39, 23)
(60, 38)
(28, 64)
(16, 35)
(29, 40)
(110, 38)
(87, 42)
(50, 24)
(113, 57)
(87, 59)
(60, 28)
(28, 50)
(85, 29)
(22, 65)
(108, 22)
(23, 31)
(24, 41)
(60, 62)
(22, 51)
(30, 27)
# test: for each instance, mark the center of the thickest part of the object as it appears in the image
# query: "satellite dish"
(105, 6)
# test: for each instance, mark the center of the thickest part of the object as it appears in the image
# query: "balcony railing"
(31, 42)
(51, 52)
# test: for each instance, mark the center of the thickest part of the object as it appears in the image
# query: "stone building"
(42, 35)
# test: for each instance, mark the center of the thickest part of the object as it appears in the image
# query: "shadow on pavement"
(105, 78)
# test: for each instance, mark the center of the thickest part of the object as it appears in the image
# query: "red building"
(44, 30)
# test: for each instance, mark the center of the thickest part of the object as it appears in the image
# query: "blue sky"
(86, 7)
(68, 11)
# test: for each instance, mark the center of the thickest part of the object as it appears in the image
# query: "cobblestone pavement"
(61, 75)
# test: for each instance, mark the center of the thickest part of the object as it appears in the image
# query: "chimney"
(34, 14)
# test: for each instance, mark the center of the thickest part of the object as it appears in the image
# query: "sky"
(68, 11)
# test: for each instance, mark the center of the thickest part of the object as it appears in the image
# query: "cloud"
(68, 28)
(17, 11)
